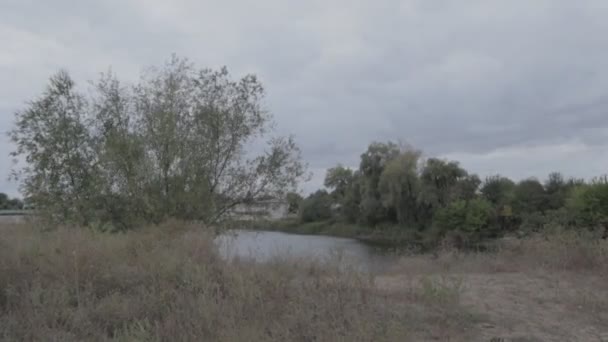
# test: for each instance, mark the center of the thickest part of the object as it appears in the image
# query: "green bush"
(470, 220)
(316, 207)
(588, 205)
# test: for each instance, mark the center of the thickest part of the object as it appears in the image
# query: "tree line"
(395, 187)
(176, 144)
(7, 203)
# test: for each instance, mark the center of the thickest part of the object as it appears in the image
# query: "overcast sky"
(515, 87)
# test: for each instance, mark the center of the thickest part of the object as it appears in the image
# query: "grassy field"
(167, 283)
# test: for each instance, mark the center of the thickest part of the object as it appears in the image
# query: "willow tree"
(400, 186)
(338, 179)
(52, 135)
(371, 167)
(175, 144)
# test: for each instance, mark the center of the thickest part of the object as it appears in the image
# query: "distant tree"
(440, 178)
(558, 190)
(15, 204)
(471, 221)
(498, 190)
(466, 188)
(400, 186)
(351, 203)
(3, 200)
(316, 207)
(294, 200)
(338, 179)
(373, 162)
(7, 203)
(555, 183)
(589, 205)
(529, 197)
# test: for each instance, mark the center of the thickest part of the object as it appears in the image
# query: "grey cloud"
(453, 78)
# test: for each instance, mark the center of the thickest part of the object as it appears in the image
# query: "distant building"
(270, 209)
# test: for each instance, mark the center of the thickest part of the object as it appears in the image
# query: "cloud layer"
(512, 86)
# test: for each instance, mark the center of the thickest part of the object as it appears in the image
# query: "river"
(264, 246)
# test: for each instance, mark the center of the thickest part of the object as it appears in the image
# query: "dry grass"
(167, 283)
(545, 288)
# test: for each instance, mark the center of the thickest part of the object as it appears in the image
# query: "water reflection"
(264, 246)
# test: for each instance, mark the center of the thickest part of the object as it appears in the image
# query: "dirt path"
(520, 306)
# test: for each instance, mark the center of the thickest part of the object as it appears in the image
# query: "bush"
(467, 221)
(317, 207)
(589, 205)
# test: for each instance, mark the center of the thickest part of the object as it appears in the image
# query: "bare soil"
(522, 305)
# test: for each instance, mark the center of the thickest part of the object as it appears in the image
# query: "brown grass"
(167, 283)
(550, 287)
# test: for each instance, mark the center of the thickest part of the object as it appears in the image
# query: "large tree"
(400, 186)
(440, 178)
(372, 165)
(176, 144)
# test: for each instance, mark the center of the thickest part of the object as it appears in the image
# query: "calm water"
(264, 246)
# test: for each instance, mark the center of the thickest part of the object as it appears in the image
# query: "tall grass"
(168, 284)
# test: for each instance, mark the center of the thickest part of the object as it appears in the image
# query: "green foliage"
(498, 190)
(466, 187)
(351, 203)
(556, 189)
(472, 218)
(589, 205)
(174, 145)
(435, 198)
(7, 203)
(339, 179)
(316, 207)
(400, 186)
(294, 200)
(529, 196)
(440, 178)
(373, 162)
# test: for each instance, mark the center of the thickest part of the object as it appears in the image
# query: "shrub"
(317, 207)
(588, 205)
(470, 220)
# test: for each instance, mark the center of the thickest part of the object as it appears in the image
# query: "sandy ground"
(518, 306)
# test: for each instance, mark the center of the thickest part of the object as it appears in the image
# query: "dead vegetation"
(167, 283)
(545, 288)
